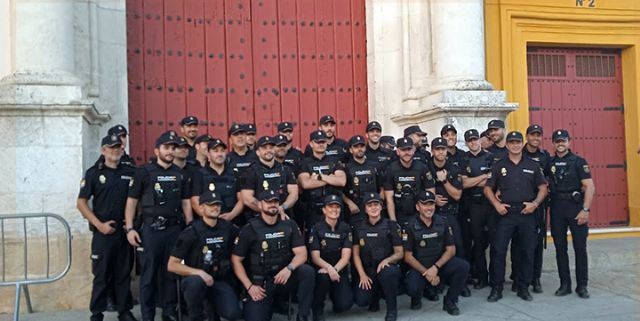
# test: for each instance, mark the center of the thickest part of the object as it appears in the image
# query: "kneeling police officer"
(277, 254)
(205, 246)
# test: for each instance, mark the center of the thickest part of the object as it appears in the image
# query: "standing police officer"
(522, 188)
(107, 183)
(474, 177)
(377, 249)
(251, 135)
(201, 145)
(419, 140)
(330, 243)
(362, 178)
(496, 133)
(430, 252)
(292, 156)
(189, 131)
(572, 191)
(121, 132)
(455, 155)
(160, 189)
(375, 152)
(205, 246)
(336, 147)
(277, 254)
(240, 157)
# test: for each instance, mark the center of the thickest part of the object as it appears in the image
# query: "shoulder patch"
(83, 183)
(131, 182)
(586, 168)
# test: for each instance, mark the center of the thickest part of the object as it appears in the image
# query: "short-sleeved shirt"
(323, 166)
(247, 236)
(381, 156)
(458, 159)
(498, 152)
(540, 156)
(142, 179)
(292, 159)
(475, 166)
(447, 237)
(330, 242)
(517, 183)
(336, 151)
(566, 173)
(108, 187)
(239, 163)
(189, 243)
(453, 177)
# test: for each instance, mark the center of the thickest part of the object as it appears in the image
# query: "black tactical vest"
(375, 242)
(212, 254)
(162, 196)
(428, 242)
(476, 166)
(331, 241)
(273, 178)
(564, 174)
(224, 185)
(271, 250)
(361, 179)
(406, 185)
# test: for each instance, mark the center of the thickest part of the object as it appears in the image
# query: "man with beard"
(251, 135)
(276, 255)
(430, 252)
(319, 177)
(419, 139)
(160, 189)
(292, 156)
(336, 148)
(180, 159)
(522, 188)
(474, 177)
(362, 178)
(571, 195)
(205, 247)
(496, 131)
(240, 157)
(189, 131)
(377, 250)
(389, 143)
(455, 155)
(106, 183)
(121, 132)
(201, 145)
(267, 174)
(485, 141)
(218, 177)
(375, 152)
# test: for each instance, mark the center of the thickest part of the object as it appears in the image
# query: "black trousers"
(340, 293)
(454, 273)
(111, 263)
(483, 225)
(303, 278)
(385, 284)
(154, 277)
(506, 226)
(450, 213)
(541, 233)
(220, 296)
(563, 213)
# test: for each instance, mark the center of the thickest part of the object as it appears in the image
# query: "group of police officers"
(261, 223)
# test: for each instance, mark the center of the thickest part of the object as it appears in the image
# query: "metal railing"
(24, 279)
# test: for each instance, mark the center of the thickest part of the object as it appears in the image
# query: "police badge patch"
(102, 179)
(503, 171)
(82, 183)
(423, 243)
(265, 246)
(586, 169)
(362, 242)
(212, 187)
(131, 182)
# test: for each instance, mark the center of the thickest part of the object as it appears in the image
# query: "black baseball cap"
(285, 126)
(237, 128)
(426, 197)
(265, 140)
(215, 142)
(388, 140)
(560, 134)
(447, 128)
(280, 140)
(117, 130)
(485, 133)
(496, 123)
(534, 129)
(356, 140)
(514, 135)
(374, 125)
(210, 198)
(317, 136)
(438, 142)
(167, 138)
(203, 138)
(181, 141)
(415, 129)
(189, 120)
(405, 142)
(268, 195)
(250, 128)
(111, 141)
(327, 119)
(371, 197)
(332, 199)
(471, 134)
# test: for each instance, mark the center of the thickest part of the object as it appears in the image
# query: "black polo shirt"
(453, 177)
(517, 183)
(475, 166)
(381, 156)
(323, 166)
(427, 229)
(323, 238)
(247, 236)
(540, 156)
(108, 187)
(292, 159)
(239, 163)
(458, 158)
(337, 150)
(189, 242)
(498, 152)
(422, 155)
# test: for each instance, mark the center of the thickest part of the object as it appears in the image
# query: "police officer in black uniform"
(455, 155)
(377, 250)
(181, 159)
(522, 188)
(107, 183)
(330, 243)
(293, 155)
(572, 191)
(218, 177)
(336, 147)
(475, 173)
(419, 139)
(362, 178)
(389, 143)
(267, 174)
(404, 179)
(240, 157)
(496, 133)
(205, 246)
(201, 144)
(276, 255)
(189, 131)
(251, 135)
(121, 132)
(375, 152)
(162, 192)
(319, 177)
(430, 252)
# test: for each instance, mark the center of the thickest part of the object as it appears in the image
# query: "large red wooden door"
(261, 61)
(581, 90)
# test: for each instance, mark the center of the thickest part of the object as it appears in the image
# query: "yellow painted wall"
(512, 25)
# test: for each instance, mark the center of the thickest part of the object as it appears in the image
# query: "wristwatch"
(586, 209)
(128, 229)
(290, 267)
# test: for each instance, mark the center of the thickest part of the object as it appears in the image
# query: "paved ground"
(614, 286)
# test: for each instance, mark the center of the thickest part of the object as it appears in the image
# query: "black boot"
(482, 283)
(431, 294)
(495, 295)
(537, 286)
(392, 315)
(416, 303)
(126, 316)
(451, 307)
(524, 294)
(465, 291)
(563, 290)
(374, 306)
(582, 292)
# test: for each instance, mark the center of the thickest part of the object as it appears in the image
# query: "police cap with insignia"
(203, 139)
(111, 141)
(495, 124)
(371, 197)
(285, 126)
(404, 143)
(268, 195)
(356, 140)
(332, 199)
(374, 125)
(388, 140)
(415, 129)
(327, 119)
(265, 140)
(514, 136)
(438, 142)
(534, 129)
(471, 134)
(189, 120)
(166, 139)
(181, 141)
(447, 128)
(318, 136)
(118, 130)
(215, 143)
(426, 197)
(250, 128)
(560, 134)
(210, 198)
(236, 129)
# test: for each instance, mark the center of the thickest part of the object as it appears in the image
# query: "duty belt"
(564, 195)
(159, 223)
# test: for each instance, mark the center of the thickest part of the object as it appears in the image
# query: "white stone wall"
(5, 38)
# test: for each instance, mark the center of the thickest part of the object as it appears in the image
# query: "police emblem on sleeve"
(102, 179)
(212, 187)
(310, 239)
(350, 237)
(265, 185)
(235, 242)
(265, 246)
(323, 243)
(131, 182)
(82, 183)
(450, 231)
(423, 243)
(503, 171)
(586, 168)
(362, 242)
